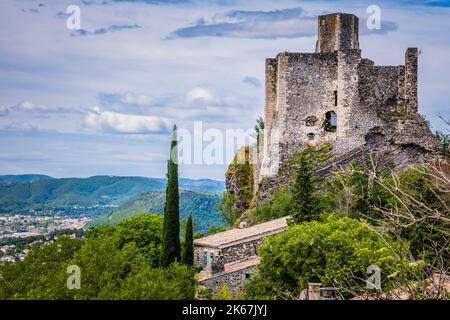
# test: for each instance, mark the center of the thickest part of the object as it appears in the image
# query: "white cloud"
(4, 111)
(125, 123)
(19, 126)
(29, 107)
(135, 99)
(200, 94)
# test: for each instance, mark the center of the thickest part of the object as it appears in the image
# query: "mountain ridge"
(97, 190)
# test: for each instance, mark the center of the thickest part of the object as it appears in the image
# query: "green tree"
(176, 282)
(226, 208)
(104, 265)
(42, 275)
(188, 252)
(335, 252)
(306, 202)
(116, 262)
(224, 293)
(278, 206)
(146, 232)
(352, 192)
(171, 233)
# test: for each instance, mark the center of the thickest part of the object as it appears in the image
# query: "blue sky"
(101, 100)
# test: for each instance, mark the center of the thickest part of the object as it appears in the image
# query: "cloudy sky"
(102, 99)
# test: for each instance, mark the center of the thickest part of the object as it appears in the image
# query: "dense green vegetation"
(398, 221)
(201, 204)
(120, 262)
(335, 251)
(301, 198)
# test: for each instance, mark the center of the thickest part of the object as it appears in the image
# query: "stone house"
(231, 256)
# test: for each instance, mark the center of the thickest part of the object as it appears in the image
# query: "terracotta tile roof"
(232, 236)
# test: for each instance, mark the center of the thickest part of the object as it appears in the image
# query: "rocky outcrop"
(239, 180)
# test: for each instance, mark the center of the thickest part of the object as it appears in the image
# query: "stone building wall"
(241, 251)
(234, 280)
(238, 252)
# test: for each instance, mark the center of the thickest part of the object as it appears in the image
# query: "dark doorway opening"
(330, 124)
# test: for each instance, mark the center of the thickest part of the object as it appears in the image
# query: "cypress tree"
(188, 253)
(171, 233)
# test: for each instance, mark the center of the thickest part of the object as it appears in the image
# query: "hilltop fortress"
(335, 96)
(365, 112)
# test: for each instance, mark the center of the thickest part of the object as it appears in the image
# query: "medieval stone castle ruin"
(331, 96)
(336, 96)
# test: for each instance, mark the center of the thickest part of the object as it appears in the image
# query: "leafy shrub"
(335, 252)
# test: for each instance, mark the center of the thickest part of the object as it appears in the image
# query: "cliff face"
(239, 180)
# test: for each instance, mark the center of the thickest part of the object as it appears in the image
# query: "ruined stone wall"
(234, 280)
(347, 107)
(411, 62)
(270, 93)
(366, 100)
(306, 85)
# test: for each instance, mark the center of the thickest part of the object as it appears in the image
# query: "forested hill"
(23, 178)
(201, 204)
(85, 192)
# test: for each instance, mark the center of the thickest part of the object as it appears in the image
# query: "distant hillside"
(201, 204)
(98, 190)
(23, 178)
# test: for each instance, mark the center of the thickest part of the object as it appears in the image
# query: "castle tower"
(337, 31)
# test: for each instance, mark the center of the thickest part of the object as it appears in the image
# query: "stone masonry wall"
(241, 251)
(238, 252)
(234, 280)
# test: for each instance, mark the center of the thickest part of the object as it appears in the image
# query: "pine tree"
(171, 233)
(306, 205)
(188, 253)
